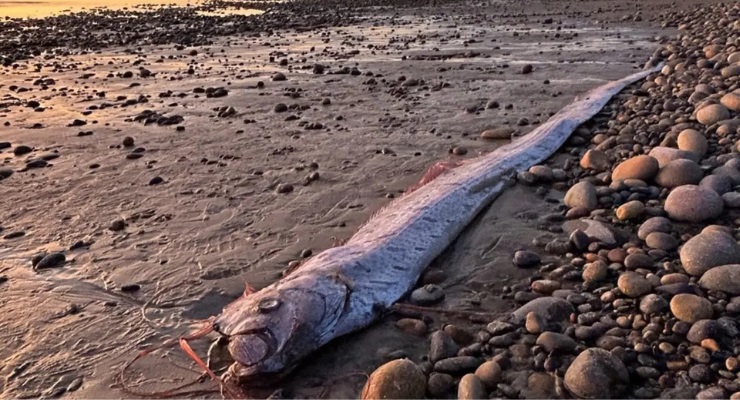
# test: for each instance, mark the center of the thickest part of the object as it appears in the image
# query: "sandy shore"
(158, 254)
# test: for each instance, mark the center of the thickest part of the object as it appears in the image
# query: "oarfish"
(346, 288)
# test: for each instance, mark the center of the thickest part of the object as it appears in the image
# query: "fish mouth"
(252, 347)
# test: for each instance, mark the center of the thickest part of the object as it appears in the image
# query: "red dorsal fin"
(433, 172)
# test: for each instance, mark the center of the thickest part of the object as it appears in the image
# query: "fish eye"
(269, 304)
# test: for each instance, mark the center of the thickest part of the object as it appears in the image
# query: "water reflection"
(41, 8)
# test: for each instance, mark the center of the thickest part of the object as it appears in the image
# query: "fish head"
(271, 330)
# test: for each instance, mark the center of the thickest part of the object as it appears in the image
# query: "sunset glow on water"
(44, 8)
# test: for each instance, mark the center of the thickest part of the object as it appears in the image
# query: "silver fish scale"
(384, 259)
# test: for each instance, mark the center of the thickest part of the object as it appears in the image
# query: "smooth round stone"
(471, 388)
(662, 241)
(652, 304)
(441, 346)
(638, 260)
(707, 250)
(664, 155)
(489, 373)
(596, 271)
(497, 133)
(691, 308)
(678, 173)
(633, 284)
(597, 373)
(630, 210)
(719, 183)
(543, 173)
(728, 171)
(439, 384)
(711, 114)
(731, 101)
(552, 310)
(693, 141)
(525, 259)
(552, 341)
(730, 71)
(545, 286)
(705, 329)
(711, 393)
(731, 199)
(717, 228)
(691, 203)
(427, 294)
(654, 224)
(582, 195)
(595, 160)
(640, 167)
(397, 379)
(724, 278)
(670, 279)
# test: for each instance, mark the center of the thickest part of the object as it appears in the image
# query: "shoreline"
(238, 197)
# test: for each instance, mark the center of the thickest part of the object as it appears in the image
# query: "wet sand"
(217, 219)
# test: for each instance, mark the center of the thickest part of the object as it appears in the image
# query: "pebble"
(731, 199)
(654, 224)
(723, 278)
(595, 160)
(691, 203)
(552, 310)
(489, 373)
(691, 308)
(117, 225)
(128, 141)
(470, 388)
(597, 373)
(661, 241)
(582, 195)
(678, 173)
(641, 167)
(441, 346)
(665, 155)
(719, 183)
(5, 173)
(497, 133)
(711, 114)
(458, 365)
(731, 101)
(22, 150)
(413, 326)
(439, 384)
(638, 260)
(632, 284)
(526, 259)
(693, 141)
(596, 271)
(284, 188)
(428, 294)
(707, 250)
(653, 304)
(51, 260)
(558, 342)
(630, 210)
(385, 382)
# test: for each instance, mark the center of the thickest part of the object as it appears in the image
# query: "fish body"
(346, 288)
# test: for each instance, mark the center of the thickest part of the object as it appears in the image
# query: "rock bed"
(638, 287)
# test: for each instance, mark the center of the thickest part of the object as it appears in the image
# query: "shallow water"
(45, 8)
